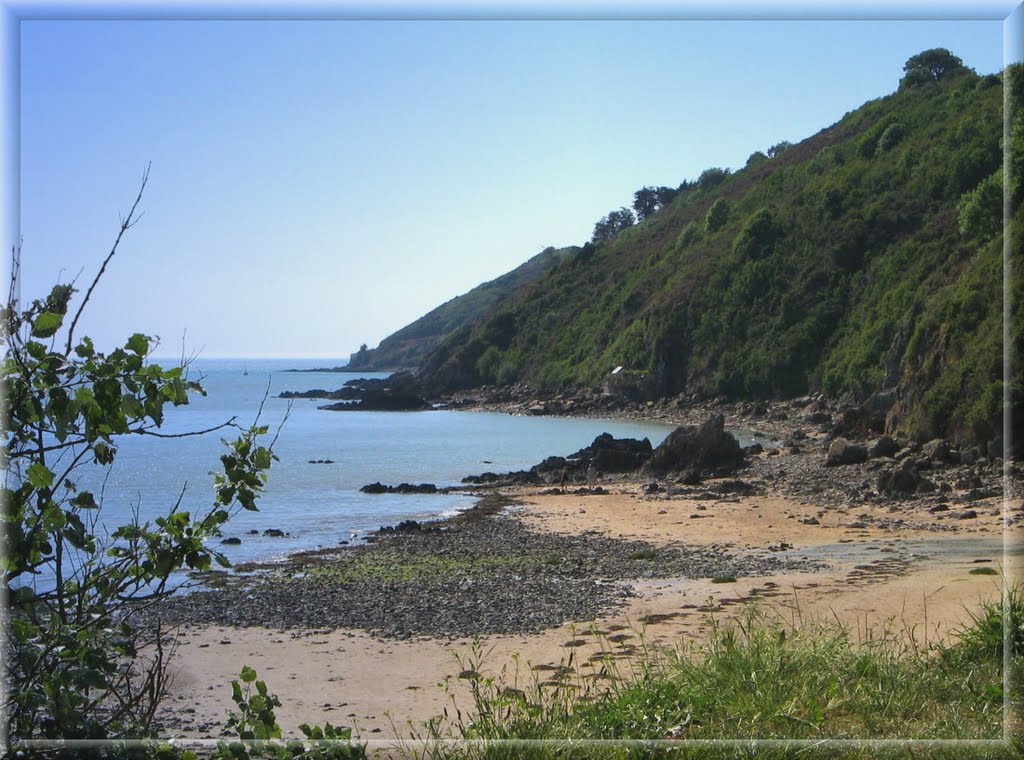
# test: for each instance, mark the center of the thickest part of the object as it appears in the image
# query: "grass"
(758, 679)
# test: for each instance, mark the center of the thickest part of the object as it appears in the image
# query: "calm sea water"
(319, 505)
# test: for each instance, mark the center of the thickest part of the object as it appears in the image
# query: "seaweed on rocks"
(481, 573)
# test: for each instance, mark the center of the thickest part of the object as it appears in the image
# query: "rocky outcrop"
(842, 452)
(378, 487)
(376, 401)
(707, 447)
(611, 454)
(607, 453)
(883, 447)
(401, 392)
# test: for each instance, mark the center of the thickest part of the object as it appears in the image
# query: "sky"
(316, 185)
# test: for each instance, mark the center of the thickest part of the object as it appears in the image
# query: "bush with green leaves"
(259, 735)
(758, 237)
(78, 666)
(717, 215)
(980, 211)
(890, 137)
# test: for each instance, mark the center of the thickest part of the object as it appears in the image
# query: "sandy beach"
(911, 576)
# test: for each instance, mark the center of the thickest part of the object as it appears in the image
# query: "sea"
(316, 504)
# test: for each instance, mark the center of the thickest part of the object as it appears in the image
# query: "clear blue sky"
(316, 185)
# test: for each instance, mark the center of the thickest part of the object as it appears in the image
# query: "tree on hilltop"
(611, 225)
(648, 201)
(929, 66)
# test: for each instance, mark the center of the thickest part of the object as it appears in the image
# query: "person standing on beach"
(591, 475)
(565, 477)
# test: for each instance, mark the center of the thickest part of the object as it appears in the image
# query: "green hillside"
(407, 348)
(867, 257)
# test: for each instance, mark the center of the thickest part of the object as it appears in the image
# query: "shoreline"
(870, 562)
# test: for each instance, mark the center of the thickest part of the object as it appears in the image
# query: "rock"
(937, 450)
(970, 455)
(231, 541)
(652, 488)
(883, 447)
(752, 449)
(842, 452)
(967, 514)
(690, 478)
(615, 454)
(902, 480)
(924, 485)
(707, 446)
(378, 488)
(551, 464)
(538, 410)
(811, 521)
(735, 486)
(406, 526)
(939, 508)
(274, 533)
(420, 488)
(850, 421)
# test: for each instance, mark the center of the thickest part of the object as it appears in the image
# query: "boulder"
(406, 526)
(937, 450)
(883, 447)
(903, 480)
(690, 478)
(705, 447)
(611, 454)
(376, 488)
(415, 488)
(842, 452)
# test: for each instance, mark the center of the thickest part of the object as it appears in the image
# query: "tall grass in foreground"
(758, 679)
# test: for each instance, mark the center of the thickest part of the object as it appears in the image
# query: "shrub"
(758, 236)
(689, 235)
(712, 177)
(71, 582)
(890, 137)
(981, 210)
(717, 215)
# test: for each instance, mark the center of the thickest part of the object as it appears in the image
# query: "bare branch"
(126, 224)
(190, 434)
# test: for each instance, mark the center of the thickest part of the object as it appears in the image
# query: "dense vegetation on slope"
(865, 258)
(407, 348)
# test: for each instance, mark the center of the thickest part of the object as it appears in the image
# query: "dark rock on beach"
(607, 453)
(377, 488)
(406, 526)
(707, 447)
(883, 447)
(842, 452)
